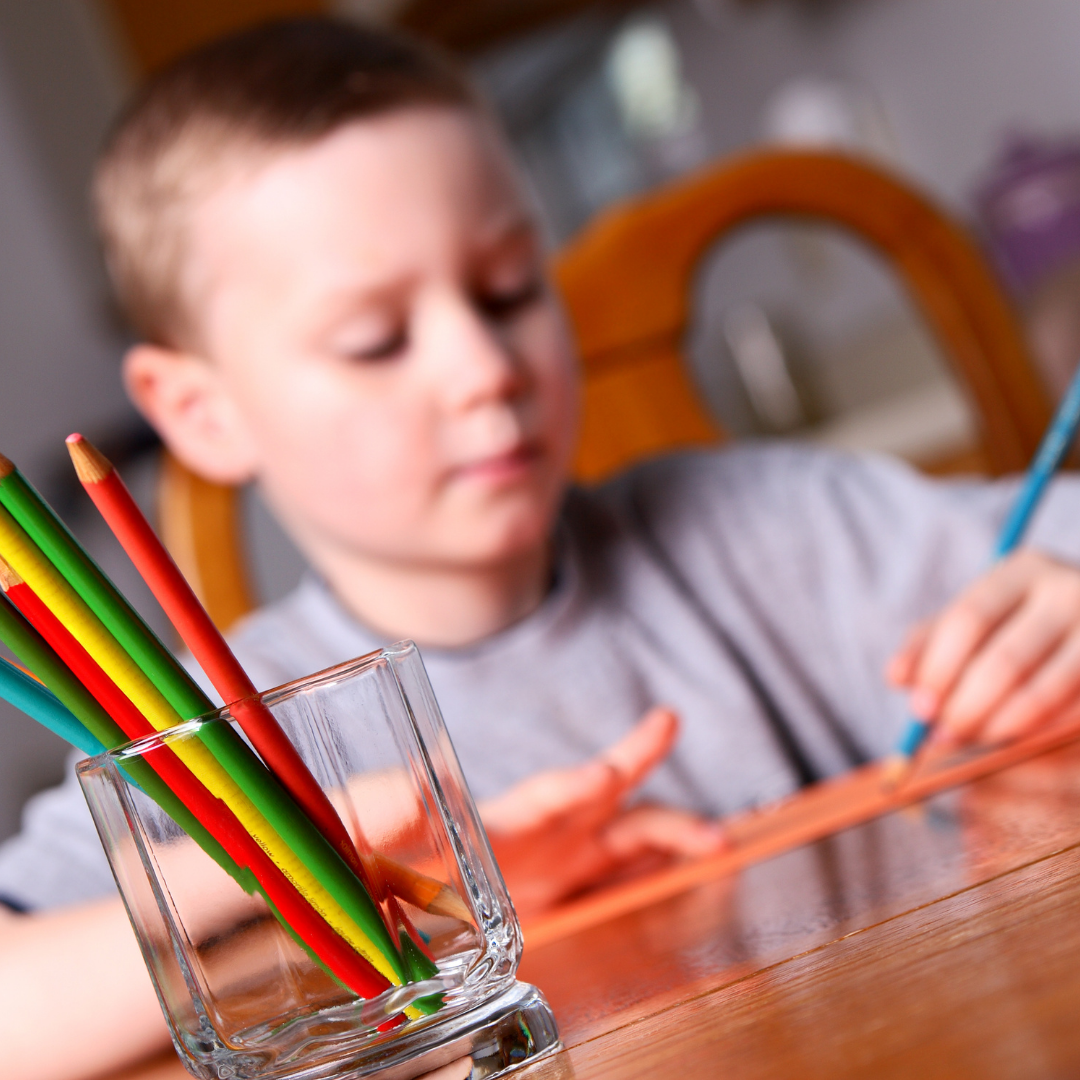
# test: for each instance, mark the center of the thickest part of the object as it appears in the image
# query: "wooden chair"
(627, 285)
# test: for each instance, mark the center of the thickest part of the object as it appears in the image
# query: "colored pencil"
(94, 588)
(41, 661)
(27, 694)
(200, 814)
(1052, 450)
(66, 554)
(223, 762)
(428, 894)
(128, 721)
(195, 627)
(31, 647)
(122, 514)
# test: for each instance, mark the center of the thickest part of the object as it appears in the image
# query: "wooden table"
(941, 939)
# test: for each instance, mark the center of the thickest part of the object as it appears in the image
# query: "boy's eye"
(385, 348)
(502, 303)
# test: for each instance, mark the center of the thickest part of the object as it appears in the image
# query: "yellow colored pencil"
(32, 566)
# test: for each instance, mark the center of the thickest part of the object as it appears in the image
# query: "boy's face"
(380, 347)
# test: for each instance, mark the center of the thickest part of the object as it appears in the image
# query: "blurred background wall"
(60, 82)
(602, 101)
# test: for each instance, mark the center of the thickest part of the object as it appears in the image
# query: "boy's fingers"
(646, 745)
(660, 828)
(1004, 662)
(553, 794)
(960, 631)
(1051, 691)
(900, 670)
(588, 794)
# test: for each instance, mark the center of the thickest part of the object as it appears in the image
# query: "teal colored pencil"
(76, 716)
(42, 705)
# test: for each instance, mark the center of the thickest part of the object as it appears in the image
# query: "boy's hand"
(566, 829)
(1001, 660)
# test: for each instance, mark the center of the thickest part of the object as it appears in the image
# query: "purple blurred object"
(1029, 209)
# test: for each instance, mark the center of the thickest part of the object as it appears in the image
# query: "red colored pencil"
(202, 637)
(338, 955)
(157, 568)
(83, 666)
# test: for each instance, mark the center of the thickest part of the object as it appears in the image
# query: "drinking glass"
(242, 996)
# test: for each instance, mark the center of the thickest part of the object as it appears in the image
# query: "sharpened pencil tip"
(448, 903)
(8, 578)
(91, 465)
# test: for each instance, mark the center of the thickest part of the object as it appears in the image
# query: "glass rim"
(327, 676)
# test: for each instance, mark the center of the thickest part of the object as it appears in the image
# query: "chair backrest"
(627, 282)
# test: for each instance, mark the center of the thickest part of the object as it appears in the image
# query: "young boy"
(321, 239)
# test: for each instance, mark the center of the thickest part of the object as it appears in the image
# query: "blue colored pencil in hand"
(1052, 450)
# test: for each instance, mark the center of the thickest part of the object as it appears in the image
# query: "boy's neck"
(444, 607)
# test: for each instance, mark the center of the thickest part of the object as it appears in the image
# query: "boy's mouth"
(503, 468)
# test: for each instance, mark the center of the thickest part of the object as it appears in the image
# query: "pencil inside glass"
(207, 819)
(221, 761)
(110, 495)
(16, 494)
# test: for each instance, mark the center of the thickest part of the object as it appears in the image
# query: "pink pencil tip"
(74, 437)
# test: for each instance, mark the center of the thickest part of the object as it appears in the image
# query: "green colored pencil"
(61, 548)
(92, 587)
(78, 718)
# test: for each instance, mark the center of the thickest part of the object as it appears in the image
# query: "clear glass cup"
(242, 998)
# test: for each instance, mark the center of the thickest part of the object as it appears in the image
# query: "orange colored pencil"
(428, 894)
(202, 637)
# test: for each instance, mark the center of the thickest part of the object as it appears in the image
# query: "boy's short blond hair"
(283, 84)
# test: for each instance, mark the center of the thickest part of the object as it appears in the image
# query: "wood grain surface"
(723, 932)
(940, 938)
(984, 983)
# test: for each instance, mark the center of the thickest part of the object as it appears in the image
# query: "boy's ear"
(182, 396)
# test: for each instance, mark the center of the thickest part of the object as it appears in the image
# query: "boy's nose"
(480, 362)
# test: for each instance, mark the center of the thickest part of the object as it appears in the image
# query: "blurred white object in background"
(929, 422)
(827, 114)
(659, 111)
(644, 72)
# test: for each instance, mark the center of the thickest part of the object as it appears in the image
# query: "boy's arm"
(76, 1000)
(564, 830)
(75, 997)
(1003, 658)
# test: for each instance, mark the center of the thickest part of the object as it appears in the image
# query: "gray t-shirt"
(758, 590)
